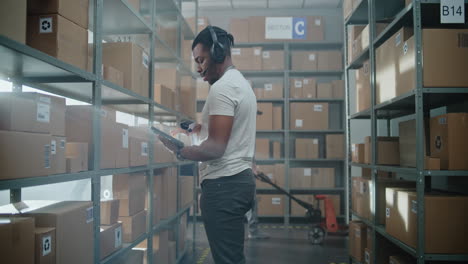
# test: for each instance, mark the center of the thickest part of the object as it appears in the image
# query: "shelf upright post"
(287, 134)
(96, 147)
(15, 194)
(150, 172)
(420, 141)
(373, 188)
(348, 168)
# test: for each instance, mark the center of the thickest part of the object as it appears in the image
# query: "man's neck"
(225, 66)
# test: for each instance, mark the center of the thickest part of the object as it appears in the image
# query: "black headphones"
(218, 50)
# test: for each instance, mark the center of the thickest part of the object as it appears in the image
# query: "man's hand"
(172, 147)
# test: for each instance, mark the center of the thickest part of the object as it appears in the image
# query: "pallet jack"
(320, 227)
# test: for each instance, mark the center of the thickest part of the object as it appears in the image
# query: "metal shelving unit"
(23, 65)
(286, 133)
(418, 103)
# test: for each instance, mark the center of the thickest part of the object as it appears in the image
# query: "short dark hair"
(204, 37)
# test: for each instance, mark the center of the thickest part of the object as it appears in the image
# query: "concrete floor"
(286, 246)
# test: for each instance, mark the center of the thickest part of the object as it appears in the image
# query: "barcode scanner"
(187, 125)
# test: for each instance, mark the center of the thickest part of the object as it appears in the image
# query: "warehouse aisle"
(284, 247)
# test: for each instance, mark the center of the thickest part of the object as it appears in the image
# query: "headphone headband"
(218, 50)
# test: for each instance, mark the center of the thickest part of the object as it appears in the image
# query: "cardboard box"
(304, 178)
(296, 88)
(162, 154)
(338, 87)
(358, 153)
(186, 193)
(387, 65)
(304, 60)
(360, 197)
(203, 89)
(357, 240)
(277, 118)
(160, 245)
(329, 61)
(112, 75)
(300, 178)
(363, 94)
(370, 239)
(166, 77)
(132, 61)
(58, 159)
(60, 38)
(110, 239)
(303, 88)
(276, 150)
(449, 142)
(32, 112)
(130, 190)
(37, 153)
(270, 205)
(325, 90)
(274, 172)
(17, 235)
(239, 28)
(75, 11)
(44, 249)
(273, 60)
(309, 116)
(13, 15)
(273, 90)
(135, 4)
(407, 139)
(264, 116)
(123, 146)
(388, 151)
(187, 103)
(247, 59)
(309, 88)
(79, 125)
(335, 147)
(77, 157)
(307, 148)
(59, 216)
(432, 163)
(109, 212)
(441, 238)
(353, 33)
(262, 148)
(168, 34)
(139, 146)
(133, 226)
(367, 256)
(168, 192)
(256, 29)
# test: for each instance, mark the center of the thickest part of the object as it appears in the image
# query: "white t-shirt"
(231, 95)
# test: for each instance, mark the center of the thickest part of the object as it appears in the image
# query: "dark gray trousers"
(223, 203)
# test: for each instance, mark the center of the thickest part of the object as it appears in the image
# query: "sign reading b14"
(285, 28)
(452, 11)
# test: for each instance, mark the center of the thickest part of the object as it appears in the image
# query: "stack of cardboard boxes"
(59, 28)
(267, 149)
(269, 116)
(306, 178)
(274, 172)
(166, 190)
(111, 229)
(38, 121)
(39, 232)
(130, 191)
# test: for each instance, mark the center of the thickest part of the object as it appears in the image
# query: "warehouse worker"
(227, 132)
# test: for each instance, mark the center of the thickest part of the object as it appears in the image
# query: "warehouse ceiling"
(286, 4)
